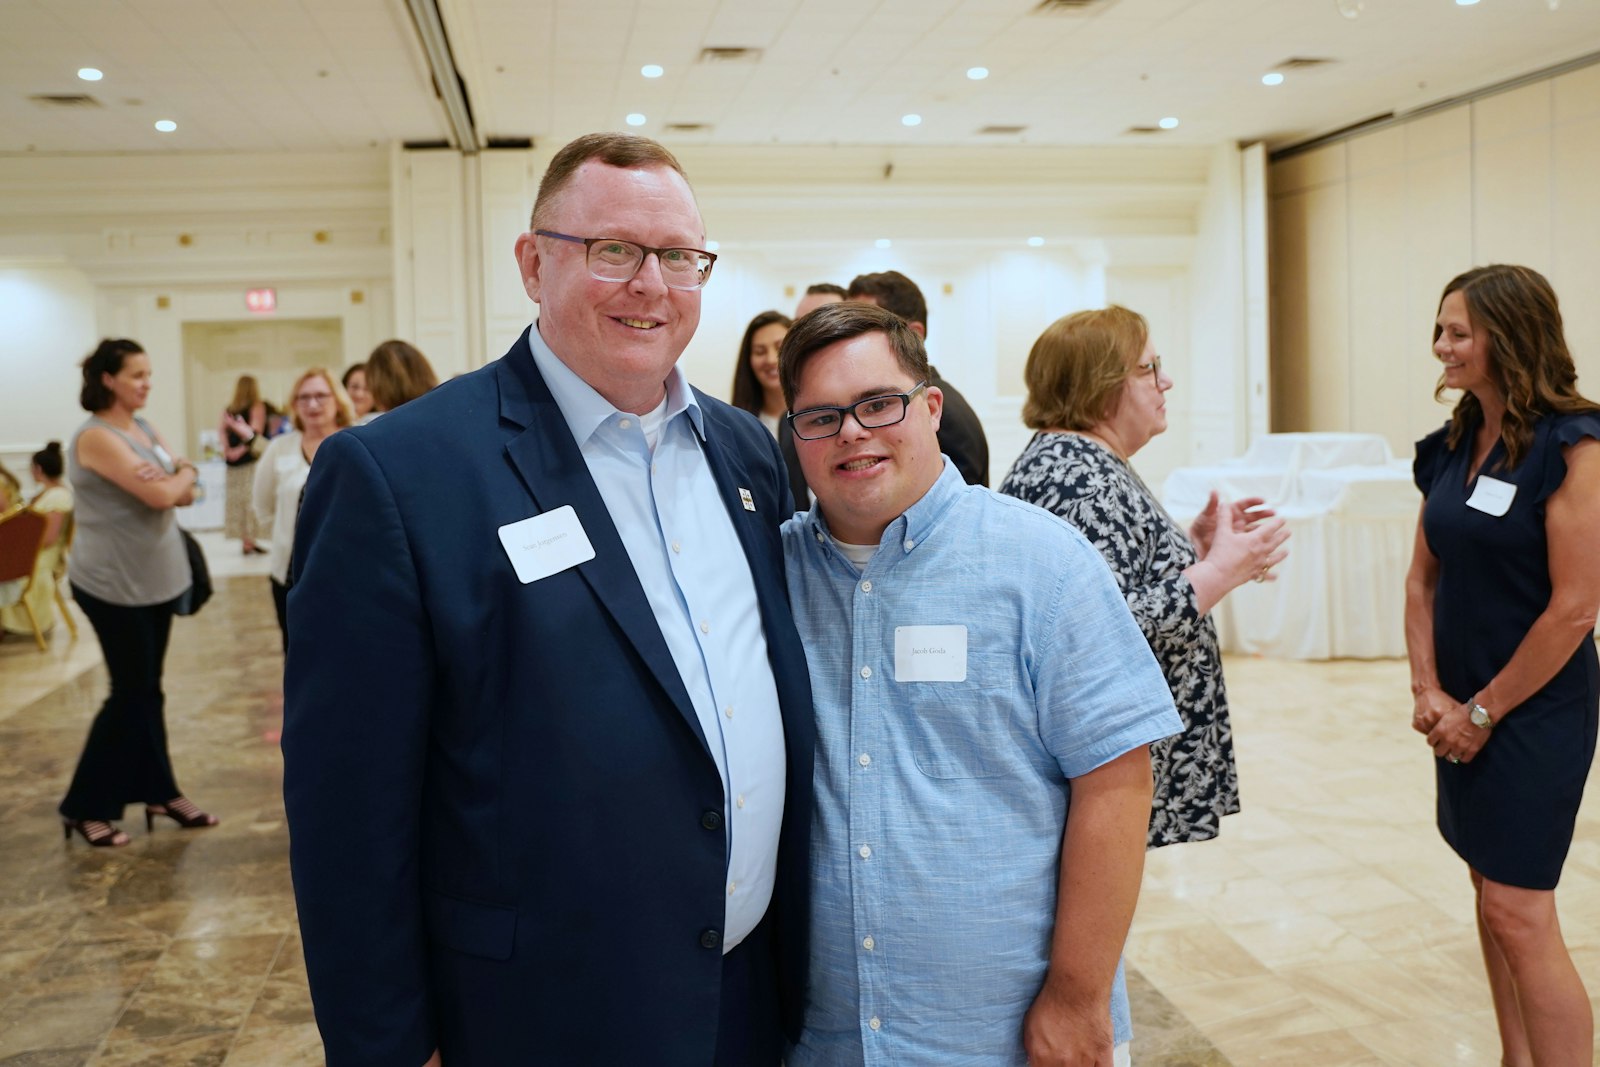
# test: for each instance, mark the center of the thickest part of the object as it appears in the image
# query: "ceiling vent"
(1303, 63)
(688, 127)
(729, 55)
(1071, 7)
(1143, 131)
(64, 100)
(1002, 131)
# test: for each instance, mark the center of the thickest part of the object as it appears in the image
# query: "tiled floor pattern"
(1327, 926)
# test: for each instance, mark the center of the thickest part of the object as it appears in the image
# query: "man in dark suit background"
(548, 738)
(960, 433)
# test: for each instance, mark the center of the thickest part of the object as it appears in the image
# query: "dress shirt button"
(677, 546)
(866, 672)
(865, 852)
(705, 627)
(731, 887)
(864, 759)
(626, 424)
(874, 1022)
(866, 587)
(710, 938)
(910, 544)
(867, 942)
(711, 820)
(820, 538)
(728, 711)
(739, 803)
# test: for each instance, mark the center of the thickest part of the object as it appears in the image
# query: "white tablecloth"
(1341, 592)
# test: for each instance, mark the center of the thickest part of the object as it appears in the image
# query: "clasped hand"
(1447, 725)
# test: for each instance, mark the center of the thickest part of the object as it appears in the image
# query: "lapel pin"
(745, 499)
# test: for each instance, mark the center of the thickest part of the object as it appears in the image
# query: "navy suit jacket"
(506, 828)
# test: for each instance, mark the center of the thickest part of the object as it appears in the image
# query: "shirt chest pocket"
(965, 729)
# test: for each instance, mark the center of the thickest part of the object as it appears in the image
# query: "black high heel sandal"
(96, 832)
(180, 810)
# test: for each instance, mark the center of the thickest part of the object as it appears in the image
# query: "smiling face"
(130, 386)
(764, 347)
(866, 478)
(620, 337)
(316, 409)
(1140, 412)
(1462, 346)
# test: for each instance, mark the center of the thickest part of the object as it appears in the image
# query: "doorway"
(216, 353)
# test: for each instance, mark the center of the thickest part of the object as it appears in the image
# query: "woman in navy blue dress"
(1500, 615)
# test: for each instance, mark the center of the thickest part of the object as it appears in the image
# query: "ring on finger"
(1455, 759)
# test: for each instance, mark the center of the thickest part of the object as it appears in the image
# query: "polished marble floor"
(1327, 926)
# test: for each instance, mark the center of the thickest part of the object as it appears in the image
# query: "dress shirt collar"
(586, 410)
(909, 530)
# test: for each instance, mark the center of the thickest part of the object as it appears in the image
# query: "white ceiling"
(277, 75)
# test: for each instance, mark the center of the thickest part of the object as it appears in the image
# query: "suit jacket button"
(710, 938)
(711, 820)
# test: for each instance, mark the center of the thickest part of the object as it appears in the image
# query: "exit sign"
(261, 301)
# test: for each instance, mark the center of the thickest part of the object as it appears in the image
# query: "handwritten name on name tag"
(546, 544)
(930, 653)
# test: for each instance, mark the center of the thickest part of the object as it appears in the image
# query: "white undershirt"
(856, 554)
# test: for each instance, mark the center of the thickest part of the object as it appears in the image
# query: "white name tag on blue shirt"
(930, 653)
(1492, 496)
(546, 544)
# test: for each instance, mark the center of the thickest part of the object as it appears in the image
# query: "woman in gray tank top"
(128, 568)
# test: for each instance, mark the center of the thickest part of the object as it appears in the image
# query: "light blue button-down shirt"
(683, 546)
(940, 806)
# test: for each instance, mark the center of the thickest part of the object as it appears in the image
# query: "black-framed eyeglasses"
(614, 260)
(1153, 366)
(873, 413)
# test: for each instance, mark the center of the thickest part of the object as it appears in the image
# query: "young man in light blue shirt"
(984, 705)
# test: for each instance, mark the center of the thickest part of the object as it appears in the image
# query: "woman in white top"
(319, 406)
(756, 388)
(54, 501)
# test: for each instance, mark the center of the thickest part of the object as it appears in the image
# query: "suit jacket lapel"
(552, 467)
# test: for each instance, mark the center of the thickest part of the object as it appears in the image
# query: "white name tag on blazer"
(546, 544)
(1492, 496)
(930, 653)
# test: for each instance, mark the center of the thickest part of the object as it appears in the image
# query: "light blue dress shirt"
(683, 546)
(940, 806)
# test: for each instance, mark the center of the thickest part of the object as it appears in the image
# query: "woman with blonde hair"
(397, 374)
(241, 433)
(319, 407)
(1500, 616)
(1096, 396)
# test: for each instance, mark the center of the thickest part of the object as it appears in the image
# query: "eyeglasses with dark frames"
(873, 413)
(613, 260)
(1153, 366)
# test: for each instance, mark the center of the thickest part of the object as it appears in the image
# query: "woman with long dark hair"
(1500, 616)
(128, 568)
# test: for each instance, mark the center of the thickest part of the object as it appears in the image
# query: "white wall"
(47, 325)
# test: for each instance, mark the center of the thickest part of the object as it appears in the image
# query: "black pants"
(125, 759)
(749, 1028)
(280, 603)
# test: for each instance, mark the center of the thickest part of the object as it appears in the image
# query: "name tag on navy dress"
(1492, 496)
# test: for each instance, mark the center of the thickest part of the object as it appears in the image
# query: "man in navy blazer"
(548, 737)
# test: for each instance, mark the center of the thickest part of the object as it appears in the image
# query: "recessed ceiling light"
(636, 119)
(977, 74)
(166, 125)
(1465, 3)
(89, 74)
(1168, 123)
(712, 246)
(1273, 78)
(1035, 242)
(651, 70)
(883, 242)
(911, 120)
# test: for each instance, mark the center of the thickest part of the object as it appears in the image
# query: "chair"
(69, 526)
(21, 536)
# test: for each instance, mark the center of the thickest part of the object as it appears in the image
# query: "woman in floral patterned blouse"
(1096, 395)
